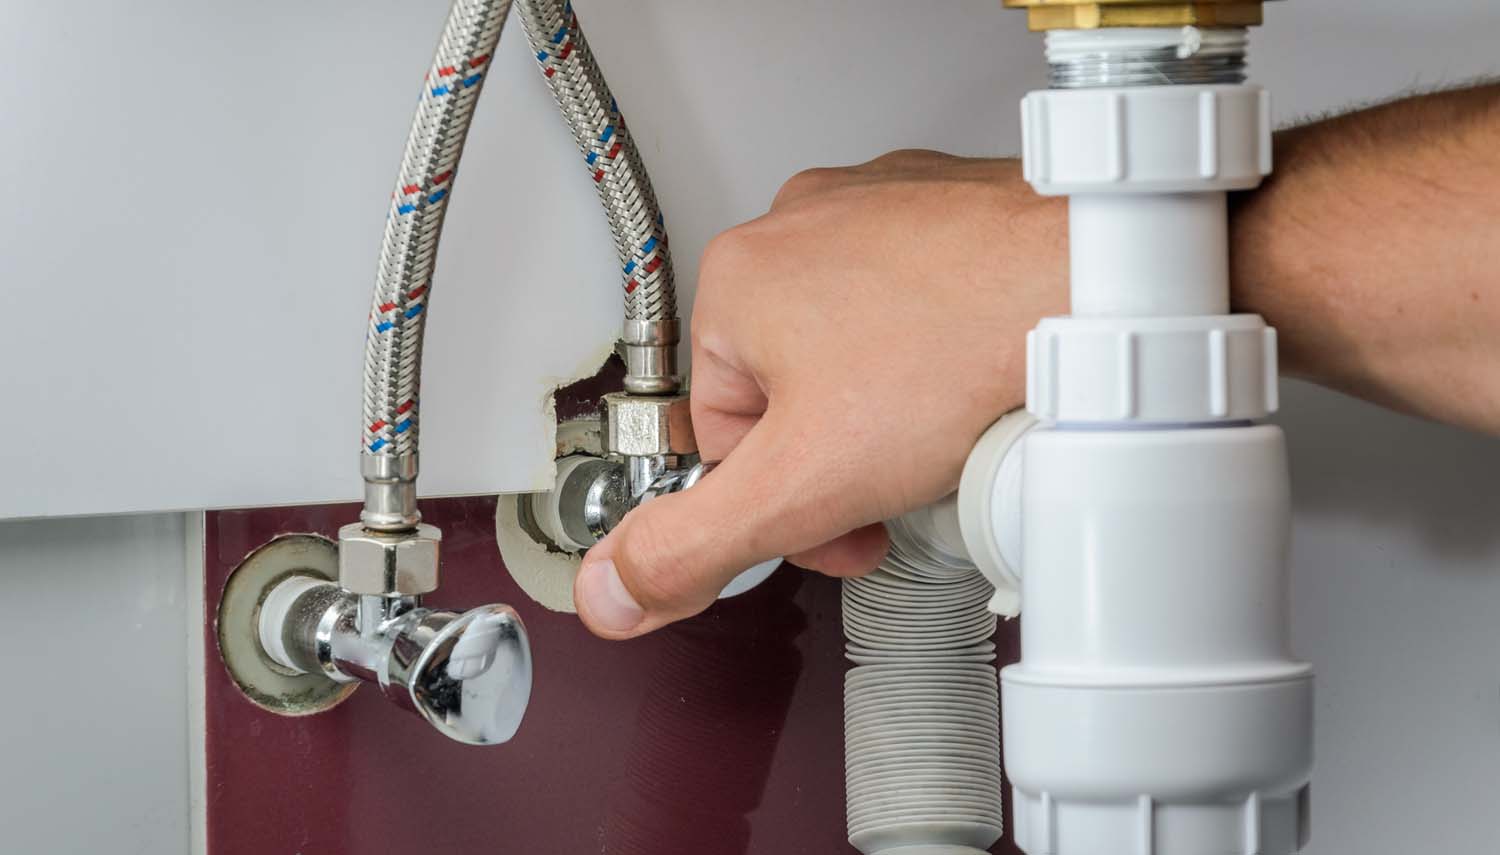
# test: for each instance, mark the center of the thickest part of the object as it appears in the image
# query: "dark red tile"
(721, 736)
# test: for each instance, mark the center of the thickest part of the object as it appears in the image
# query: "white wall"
(1396, 549)
(94, 709)
(1396, 602)
(190, 231)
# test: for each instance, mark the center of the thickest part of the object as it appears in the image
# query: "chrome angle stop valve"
(325, 618)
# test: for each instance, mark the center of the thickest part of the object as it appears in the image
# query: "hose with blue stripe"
(393, 344)
(651, 331)
(408, 252)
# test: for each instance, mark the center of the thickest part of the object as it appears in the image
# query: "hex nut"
(648, 426)
(389, 564)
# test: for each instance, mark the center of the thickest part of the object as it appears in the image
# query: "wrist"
(1279, 258)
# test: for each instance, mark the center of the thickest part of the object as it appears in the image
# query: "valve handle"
(472, 679)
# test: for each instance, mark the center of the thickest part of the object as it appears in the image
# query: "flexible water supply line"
(429, 164)
(651, 330)
(408, 253)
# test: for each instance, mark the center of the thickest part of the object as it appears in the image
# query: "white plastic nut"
(1152, 370)
(989, 508)
(1154, 139)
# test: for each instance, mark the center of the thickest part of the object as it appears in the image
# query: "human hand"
(849, 347)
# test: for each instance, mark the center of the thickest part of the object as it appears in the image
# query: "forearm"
(1375, 252)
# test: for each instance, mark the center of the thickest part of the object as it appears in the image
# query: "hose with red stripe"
(651, 330)
(393, 344)
(408, 252)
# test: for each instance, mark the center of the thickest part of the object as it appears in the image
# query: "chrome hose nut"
(389, 564)
(648, 426)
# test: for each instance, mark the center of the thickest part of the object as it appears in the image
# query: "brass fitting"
(1094, 14)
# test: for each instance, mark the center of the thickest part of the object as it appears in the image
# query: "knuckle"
(722, 272)
(809, 182)
(724, 254)
(907, 156)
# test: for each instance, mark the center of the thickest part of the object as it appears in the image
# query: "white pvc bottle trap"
(1156, 707)
(1138, 515)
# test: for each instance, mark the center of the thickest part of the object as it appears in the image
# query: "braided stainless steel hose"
(393, 343)
(393, 346)
(651, 330)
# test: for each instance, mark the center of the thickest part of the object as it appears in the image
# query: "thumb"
(670, 557)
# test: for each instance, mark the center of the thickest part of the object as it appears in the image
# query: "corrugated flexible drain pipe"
(921, 704)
